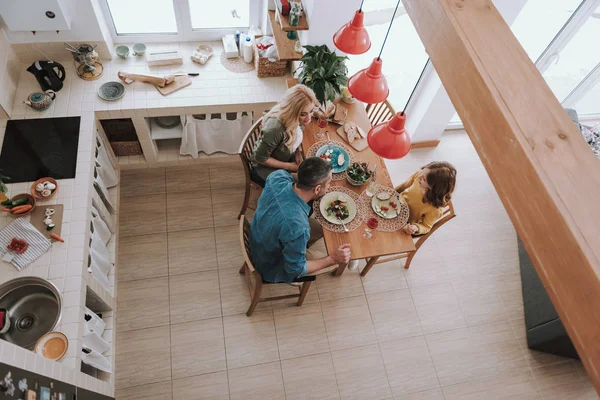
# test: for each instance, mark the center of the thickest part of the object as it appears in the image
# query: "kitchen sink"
(34, 307)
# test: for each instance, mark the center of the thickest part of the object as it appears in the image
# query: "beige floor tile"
(192, 251)
(235, 298)
(300, 331)
(189, 210)
(282, 289)
(348, 323)
(481, 306)
(194, 296)
(250, 340)
(197, 347)
(501, 387)
(427, 267)
(581, 390)
(550, 376)
(409, 366)
(206, 387)
(142, 182)
(143, 304)
(361, 374)
(437, 307)
(259, 382)
(142, 257)
(142, 357)
(227, 174)
(227, 204)
(394, 315)
(385, 277)
(339, 287)
(229, 248)
(142, 215)
(310, 377)
(432, 394)
(187, 178)
(153, 391)
(475, 352)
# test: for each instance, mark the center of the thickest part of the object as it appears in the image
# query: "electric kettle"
(49, 74)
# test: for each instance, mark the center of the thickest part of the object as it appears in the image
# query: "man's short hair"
(312, 172)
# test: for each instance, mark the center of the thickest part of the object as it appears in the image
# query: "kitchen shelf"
(285, 23)
(158, 133)
(285, 46)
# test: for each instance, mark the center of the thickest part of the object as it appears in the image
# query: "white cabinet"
(37, 15)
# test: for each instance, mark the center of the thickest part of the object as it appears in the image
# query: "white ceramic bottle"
(248, 50)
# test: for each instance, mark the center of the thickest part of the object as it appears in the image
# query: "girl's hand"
(410, 229)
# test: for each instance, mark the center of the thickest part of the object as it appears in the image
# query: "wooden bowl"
(31, 200)
(37, 194)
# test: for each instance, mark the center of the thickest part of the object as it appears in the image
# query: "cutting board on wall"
(179, 83)
(37, 219)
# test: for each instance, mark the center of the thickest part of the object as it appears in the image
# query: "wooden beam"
(543, 170)
(424, 143)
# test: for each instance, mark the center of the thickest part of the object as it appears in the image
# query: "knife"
(187, 73)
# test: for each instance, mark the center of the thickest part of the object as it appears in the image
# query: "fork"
(343, 224)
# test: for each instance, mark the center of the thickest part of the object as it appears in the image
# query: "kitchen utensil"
(344, 225)
(40, 101)
(38, 215)
(122, 51)
(188, 74)
(139, 49)
(331, 152)
(376, 204)
(71, 47)
(53, 345)
(37, 194)
(111, 91)
(179, 83)
(326, 202)
(358, 144)
(49, 74)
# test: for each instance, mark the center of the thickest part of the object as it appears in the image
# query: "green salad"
(338, 209)
(359, 172)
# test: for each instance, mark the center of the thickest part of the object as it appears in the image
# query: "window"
(403, 56)
(179, 20)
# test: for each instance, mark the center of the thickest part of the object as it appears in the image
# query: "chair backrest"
(249, 143)
(380, 112)
(447, 215)
(245, 241)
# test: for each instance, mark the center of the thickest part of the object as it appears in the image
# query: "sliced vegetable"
(6, 209)
(55, 236)
(22, 209)
(50, 227)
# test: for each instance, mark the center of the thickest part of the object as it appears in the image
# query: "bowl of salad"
(337, 207)
(357, 174)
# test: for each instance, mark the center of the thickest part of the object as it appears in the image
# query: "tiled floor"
(449, 328)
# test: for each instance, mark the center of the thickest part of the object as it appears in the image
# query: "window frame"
(183, 20)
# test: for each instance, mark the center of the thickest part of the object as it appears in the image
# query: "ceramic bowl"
(53, 345)
(111, 91)
(139, 49)
(37, 194)
(122, 51)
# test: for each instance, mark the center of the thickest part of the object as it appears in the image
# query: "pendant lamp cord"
(361, 3)
(416, 86)
(388, 31)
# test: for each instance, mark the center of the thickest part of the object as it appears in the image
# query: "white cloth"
(99, 276)
(299, 137)
(95, 324)
(109, 174)
(102, 191)
(96, 360)
(99, 254)
(93, 341)
(213, 135)
(100, 226)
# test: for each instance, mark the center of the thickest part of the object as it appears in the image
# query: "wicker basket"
(131, 148)
(266, 68)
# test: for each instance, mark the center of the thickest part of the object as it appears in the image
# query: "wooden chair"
(447, 215)
(380, 112)
(245, 152)
(256, 289)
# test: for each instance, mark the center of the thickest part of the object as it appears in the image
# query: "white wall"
(9, 75)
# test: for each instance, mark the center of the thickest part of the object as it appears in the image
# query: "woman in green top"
(279, 147)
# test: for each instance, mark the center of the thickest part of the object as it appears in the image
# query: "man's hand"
(292, 167)
(342, 254)
(410, 229)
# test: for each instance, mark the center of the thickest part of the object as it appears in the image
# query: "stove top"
(38, 148)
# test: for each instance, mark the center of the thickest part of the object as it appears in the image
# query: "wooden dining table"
(381, 243)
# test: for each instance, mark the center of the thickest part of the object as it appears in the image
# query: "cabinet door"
(42, 385)
(83, 394)
(36, 15)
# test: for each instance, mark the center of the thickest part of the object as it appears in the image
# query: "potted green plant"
(323, 71)
(3, 187)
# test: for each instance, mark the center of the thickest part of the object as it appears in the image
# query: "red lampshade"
(369, 85)
(353, 37)
(389, 139)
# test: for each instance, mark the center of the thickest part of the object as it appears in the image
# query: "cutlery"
(73, 48)
(187, 73)
(343, 224)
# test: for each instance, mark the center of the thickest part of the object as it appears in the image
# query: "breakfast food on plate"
(340, 114)
(384, 196)
(341, 159)
(351, 132)
(338, 209)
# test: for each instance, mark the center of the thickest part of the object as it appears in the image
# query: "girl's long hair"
(289, 108)
(441, 179)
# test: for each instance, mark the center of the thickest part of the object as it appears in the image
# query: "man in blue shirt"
(281, 232)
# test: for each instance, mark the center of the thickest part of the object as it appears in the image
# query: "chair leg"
(409, 259)
(255, 298)
(303, 291)
(242, 270)
(246, 201)
(369, 265)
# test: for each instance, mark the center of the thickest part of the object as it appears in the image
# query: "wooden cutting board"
(358, 144)
(179, 83)
(37, 219)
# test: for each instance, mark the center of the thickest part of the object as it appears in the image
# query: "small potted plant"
(326, 73)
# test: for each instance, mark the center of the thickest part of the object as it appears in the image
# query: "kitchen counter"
(66, 264)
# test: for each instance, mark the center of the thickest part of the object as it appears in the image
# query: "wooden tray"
(179, 83)
(358, 144)
(37, 219)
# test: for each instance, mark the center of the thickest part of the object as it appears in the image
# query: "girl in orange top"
(426, 193)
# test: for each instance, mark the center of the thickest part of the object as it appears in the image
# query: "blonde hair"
(288, 110)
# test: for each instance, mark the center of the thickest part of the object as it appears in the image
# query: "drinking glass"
(321, 123)
(371, 188)
(367, 234)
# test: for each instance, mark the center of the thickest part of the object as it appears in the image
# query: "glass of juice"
(322, 124)
(373, 223)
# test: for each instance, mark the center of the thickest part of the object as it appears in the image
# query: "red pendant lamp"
(389, 139)
(353, 37)
(369, 85)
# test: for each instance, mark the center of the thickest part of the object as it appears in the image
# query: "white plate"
(326, 201)
(391, 213)
(53, 345)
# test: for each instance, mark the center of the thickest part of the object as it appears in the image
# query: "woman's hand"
(410, 229)
(298, 157)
